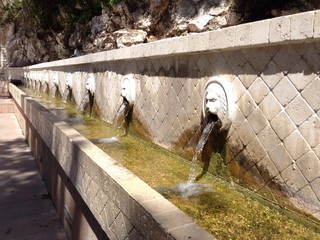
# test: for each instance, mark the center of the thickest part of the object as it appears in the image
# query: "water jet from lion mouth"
(89, 95)
(128, 92)
(67, 94)
(217, 113)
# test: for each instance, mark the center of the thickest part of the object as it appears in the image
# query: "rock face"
(27, 49)
(134, 22)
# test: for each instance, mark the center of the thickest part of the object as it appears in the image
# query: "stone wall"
(273, 144)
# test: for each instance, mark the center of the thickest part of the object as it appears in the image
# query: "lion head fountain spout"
(45, 82)
(68, 88)
(55, 80)
(218, 102)
(90, 85)
(128, 89)
(128, 94)
(218, 111)
(55, 86)
(69, 81)
(90, 90)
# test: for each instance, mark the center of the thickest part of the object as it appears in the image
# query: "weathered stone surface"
(279, 29)
(280, 157)
(302, 25)
(296, 145)
(310, 129)
(284, 91)
(312, 95)
(198, 24)
(125, 38)
(258, 90)
(270, 106)
(309, 166)
(294, 179)
(257, 120)
(299, 110)
(282, 125)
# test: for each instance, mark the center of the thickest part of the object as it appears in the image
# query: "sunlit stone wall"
(273, 65)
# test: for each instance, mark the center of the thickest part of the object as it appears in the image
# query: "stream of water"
(191, 188)
(84, 102)
(65, 95)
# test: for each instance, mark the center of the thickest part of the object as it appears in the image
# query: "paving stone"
(26, 210)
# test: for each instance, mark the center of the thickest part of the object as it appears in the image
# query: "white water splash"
(105, 140)
(192, 189)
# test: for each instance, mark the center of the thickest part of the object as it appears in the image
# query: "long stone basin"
(85, 183)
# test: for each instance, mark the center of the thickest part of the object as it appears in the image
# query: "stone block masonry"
(273, 66)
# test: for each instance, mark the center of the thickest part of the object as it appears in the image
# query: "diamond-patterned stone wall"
(276, 128)
(273, 66)
(277, 122)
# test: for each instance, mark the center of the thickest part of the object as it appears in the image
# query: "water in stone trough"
(223, 208)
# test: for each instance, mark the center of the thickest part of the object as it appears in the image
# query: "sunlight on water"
(192, 189)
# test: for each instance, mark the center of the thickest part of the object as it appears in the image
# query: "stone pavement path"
(26, 211)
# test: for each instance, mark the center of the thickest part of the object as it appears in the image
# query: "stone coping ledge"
(105, 185)
(297, 28)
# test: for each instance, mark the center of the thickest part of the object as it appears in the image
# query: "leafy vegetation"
(57, 15)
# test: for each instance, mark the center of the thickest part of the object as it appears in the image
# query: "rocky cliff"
(135, 21)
